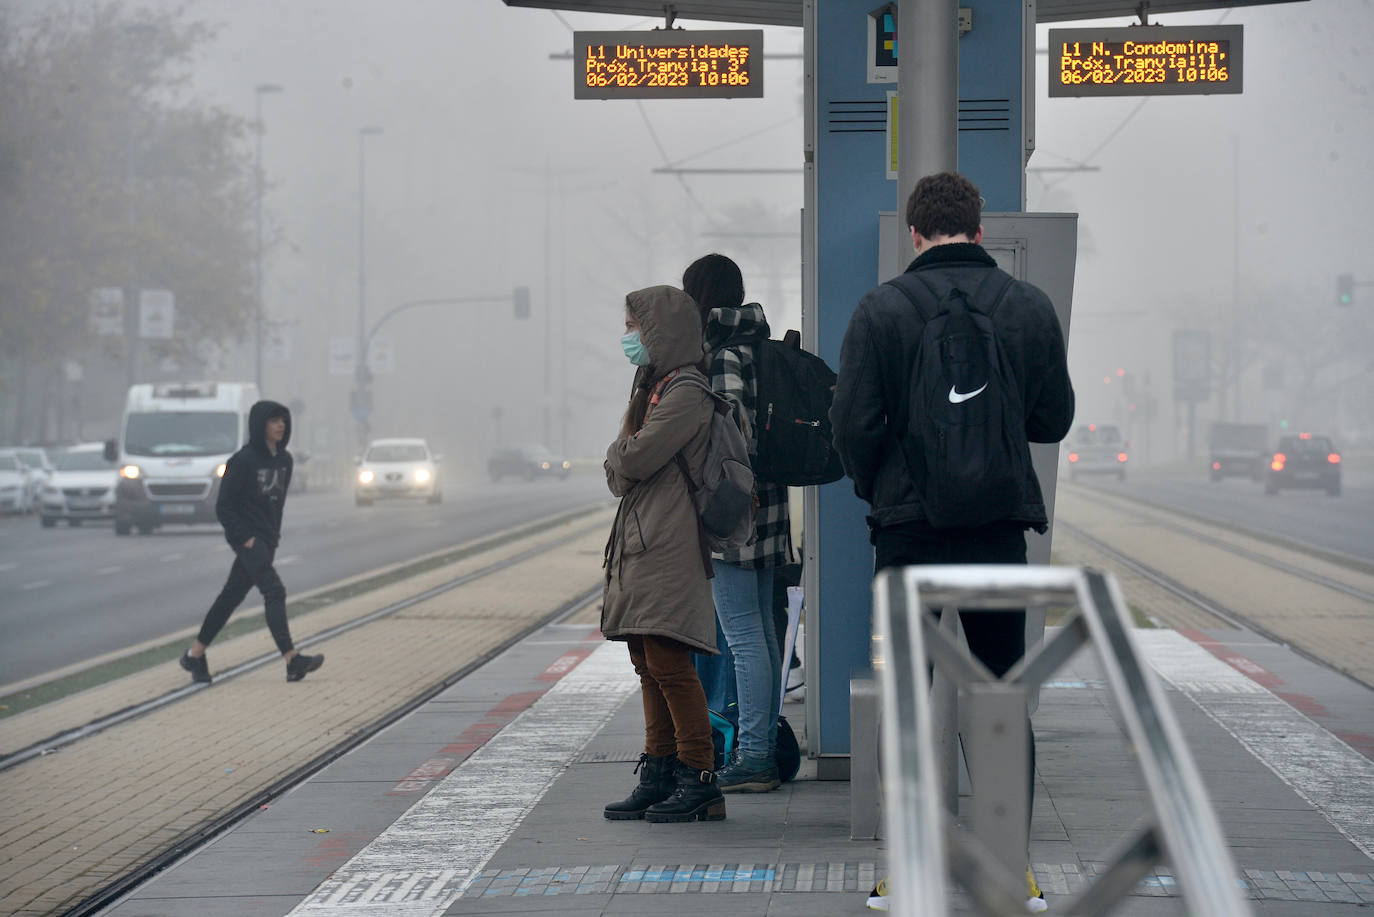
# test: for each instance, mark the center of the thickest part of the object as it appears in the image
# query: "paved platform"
(488, 801)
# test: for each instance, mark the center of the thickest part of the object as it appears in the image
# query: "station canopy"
(789, 12)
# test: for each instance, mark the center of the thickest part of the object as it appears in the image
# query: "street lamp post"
(362, 409)
(261, 90)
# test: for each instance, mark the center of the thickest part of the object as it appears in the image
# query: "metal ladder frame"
(989, 861)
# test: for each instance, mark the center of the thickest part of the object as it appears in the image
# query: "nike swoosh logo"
(958, 397)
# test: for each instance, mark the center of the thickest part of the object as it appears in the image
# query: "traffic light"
(1345, 289)
(521, 298)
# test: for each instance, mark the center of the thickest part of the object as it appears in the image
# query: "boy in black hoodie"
(252, 495)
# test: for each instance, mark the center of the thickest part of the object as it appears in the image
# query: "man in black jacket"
(870, 410)
(252, 495)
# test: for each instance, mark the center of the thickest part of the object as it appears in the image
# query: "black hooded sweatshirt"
(253, 491)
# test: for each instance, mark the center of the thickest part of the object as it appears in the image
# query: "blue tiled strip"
(717, 878)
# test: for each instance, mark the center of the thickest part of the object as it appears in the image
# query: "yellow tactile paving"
(74, 819)
(1330, 625)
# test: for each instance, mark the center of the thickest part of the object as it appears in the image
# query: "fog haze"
(1233, 214)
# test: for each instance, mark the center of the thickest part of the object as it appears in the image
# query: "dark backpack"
(793, 438)
(965, 434)
(725, 497)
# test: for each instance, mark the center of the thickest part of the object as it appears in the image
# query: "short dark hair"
(714, 280)
(945, 204)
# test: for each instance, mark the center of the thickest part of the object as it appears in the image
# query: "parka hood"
(730, 325)
(670, 324)
(257, 423)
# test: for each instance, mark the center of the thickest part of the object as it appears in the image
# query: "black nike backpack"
(965, 434)
(793, 440)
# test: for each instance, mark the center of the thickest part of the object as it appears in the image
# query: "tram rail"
(1207, 599)
(106, 755)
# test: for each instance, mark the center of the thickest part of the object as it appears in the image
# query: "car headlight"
(567, 465)
(131, 472)
(220, 469)
(422, 475)
(365, 477)
(544, 465)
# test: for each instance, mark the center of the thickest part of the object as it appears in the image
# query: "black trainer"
(198, 666)
(301, 664)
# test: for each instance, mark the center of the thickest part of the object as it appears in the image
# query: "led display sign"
(1145, 60)
(668, 64)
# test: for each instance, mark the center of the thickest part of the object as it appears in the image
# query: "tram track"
(206, 833)
(79, 842)
(1155, 516)
(100, 724)
(1269, 560)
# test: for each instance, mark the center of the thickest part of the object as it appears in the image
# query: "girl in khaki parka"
(658, 591)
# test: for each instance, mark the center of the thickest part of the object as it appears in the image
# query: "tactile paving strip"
(717, 878)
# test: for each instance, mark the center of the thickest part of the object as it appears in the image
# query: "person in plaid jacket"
(743, 583)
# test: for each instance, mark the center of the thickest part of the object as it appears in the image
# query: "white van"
(174, 440)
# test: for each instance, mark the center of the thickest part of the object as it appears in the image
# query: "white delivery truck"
(174, 440)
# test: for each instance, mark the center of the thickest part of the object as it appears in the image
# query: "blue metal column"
(847, 188)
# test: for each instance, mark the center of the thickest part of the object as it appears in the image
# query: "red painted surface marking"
(1303, 703)
(336, 849)
(566, 663)
(492, 722)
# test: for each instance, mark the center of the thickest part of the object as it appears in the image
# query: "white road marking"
(36, 584)
(169, 558)
(421, 864)
(106, 571)
(288, 560)
(1331, 776)
(5, 568)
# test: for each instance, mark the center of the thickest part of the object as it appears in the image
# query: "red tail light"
(1121, 456)
(1216, 466)
(1304, 436)
(1073, 456)
(1334, 459)
(1277, 463)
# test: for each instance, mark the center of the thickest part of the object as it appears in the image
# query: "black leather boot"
(695, 797)
(656, 783)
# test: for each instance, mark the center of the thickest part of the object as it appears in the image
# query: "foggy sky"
(482, 140)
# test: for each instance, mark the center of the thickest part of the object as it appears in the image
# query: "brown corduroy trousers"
(675, 718)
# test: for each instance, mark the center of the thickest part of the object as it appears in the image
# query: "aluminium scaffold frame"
(990, 860)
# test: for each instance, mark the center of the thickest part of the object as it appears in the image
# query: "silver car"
(81, 487)
(392, 468)
(36, 466)
(14, 485)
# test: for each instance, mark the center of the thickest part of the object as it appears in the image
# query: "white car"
(391, 468)
(81, 487)
(37, 467)
(14, 485)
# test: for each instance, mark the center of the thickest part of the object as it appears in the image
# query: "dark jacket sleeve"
(286, 489)
(858, 414)
(229, 504)
(1049, 407)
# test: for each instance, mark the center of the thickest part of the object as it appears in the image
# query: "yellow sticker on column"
(891, 145)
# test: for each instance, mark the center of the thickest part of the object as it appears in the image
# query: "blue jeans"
(717, 674)
(744, 609)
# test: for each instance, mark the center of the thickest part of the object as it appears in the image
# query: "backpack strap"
(703, 540)
(924, 292)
